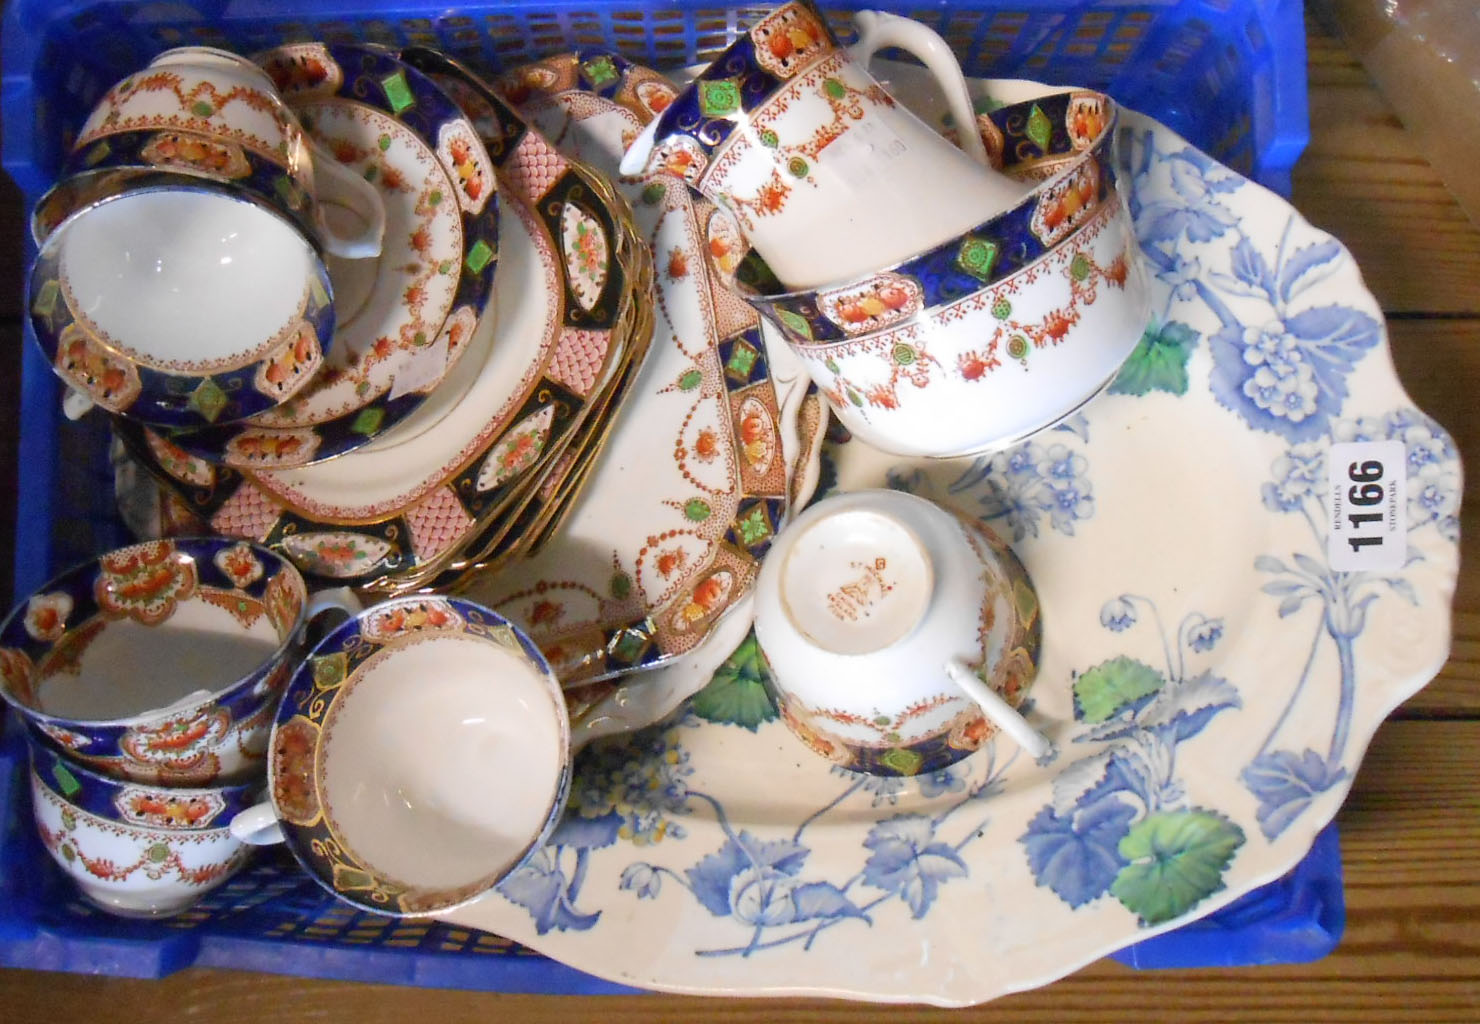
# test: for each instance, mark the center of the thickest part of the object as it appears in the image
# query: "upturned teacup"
(999, 332)
(161, 662)
(899, 637)
(420, 754)
(133, 849)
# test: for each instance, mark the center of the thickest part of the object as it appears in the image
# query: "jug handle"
(878, 29)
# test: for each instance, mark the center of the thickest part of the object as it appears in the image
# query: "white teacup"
(180, 279)
(134, 849)
(899, 636)
(420, 753)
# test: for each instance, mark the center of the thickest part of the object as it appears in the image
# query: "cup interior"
(148, 627)
(433, 764)
(185, 279)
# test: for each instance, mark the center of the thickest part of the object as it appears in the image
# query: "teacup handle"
(340, 599)
(879, 29)
(257, 826)
(337, 184)
(1002, 714)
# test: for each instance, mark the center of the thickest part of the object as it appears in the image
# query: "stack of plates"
(493, 420)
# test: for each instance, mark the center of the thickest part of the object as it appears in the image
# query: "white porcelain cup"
(134, 849)
(899, 636)
(420, 753)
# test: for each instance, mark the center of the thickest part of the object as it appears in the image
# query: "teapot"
(825, 174)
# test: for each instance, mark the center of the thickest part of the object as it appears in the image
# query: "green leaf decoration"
(1177, 859)
(1159, 362)
(736, 695)
(1102, 692)
(1040, 128)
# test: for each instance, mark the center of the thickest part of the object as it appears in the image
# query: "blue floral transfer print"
(1025, 488)
(1286, 780)
(1278, 363)
(1120, 823)
(636, 789)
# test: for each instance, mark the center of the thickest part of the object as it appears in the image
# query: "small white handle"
(257, 826)
(340, 185)
(1002, 714)
(878, 29)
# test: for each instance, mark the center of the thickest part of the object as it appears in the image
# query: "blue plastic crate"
(1227, 74)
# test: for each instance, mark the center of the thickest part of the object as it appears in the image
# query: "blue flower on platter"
(1118, 614)
(640, 780)
(1205, 635)
(940, 783)
(909, 861)
(1299, 476)
(1026, 482)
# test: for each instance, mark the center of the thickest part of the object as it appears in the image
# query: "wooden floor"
(1410, 833)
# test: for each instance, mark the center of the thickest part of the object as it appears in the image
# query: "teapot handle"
(879, 29)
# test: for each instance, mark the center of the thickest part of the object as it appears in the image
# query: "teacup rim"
(22, 604)
(303, 672)
(37, 745)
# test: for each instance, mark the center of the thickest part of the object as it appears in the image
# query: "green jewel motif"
(769, 138)
(797, 167)
(1002, 309)
(834, 88)
(68, 854)
(371, 173)
(736, 694)
(202, 109)
(96, 154)
(832, 366)
(69, 819)
(368, 421)
(620, 585)
(795, 322)
(1017, 347)
(445, 267)
(435, 199)
(753, 527)
(65, 779)
(903, 761)
(882, 720)
(46, 303)
(904, 355)
(741, 361)
(1040, 128)
(977, 257)
(384, 142)
(1079, 267)
(696, 510)
(855, 398)
(690, 380)
(288, 190)
(478, 256)
(158, 853)
(318, 295)
(398, 92)
(208, 400)
(329, 670)
(599, 71)
(629, 646)
(505, 638)
(653, 194)
(719, 99)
